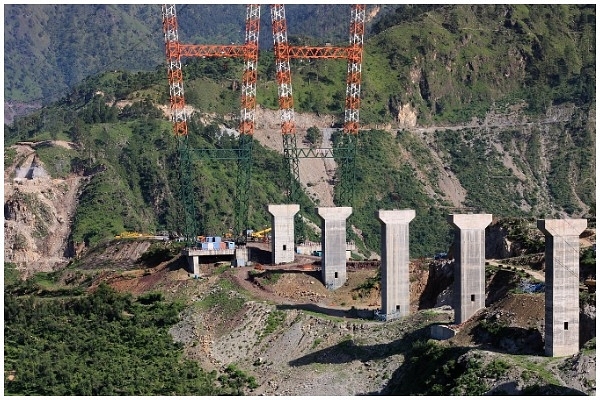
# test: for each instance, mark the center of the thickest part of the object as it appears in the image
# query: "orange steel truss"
(176, 50)
(353, 53)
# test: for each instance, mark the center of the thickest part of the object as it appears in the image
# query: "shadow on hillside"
(500, 285)
(177, 263)
(510, 340)
(440, 277)
(270, 270)
(332, 312)
(259, 255)
(347, 351)
(551, 390)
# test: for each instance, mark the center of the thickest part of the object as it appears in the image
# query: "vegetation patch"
(103, 343)
(432, 369)
(274, 320)
(10, 155)
(160, 252)
(11, 274)
(223, 299)
(370, 284)
(535, 369)
(57, 160)
(44, 284)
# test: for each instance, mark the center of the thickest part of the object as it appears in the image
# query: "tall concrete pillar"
(333, 245)
(282, 232)
(469, 265)
(562, 285)
(395, 280)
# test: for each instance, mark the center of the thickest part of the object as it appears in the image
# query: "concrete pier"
(282, 223)
(562, 285)
(193, 257)
(241, 257)
(395, 280)
(469, 269)
(333, 245)
(193, 265)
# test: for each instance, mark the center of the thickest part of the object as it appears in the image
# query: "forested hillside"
(73, 41)
(518, 102)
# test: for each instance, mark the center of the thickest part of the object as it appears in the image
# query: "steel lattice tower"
(346, 151)
(286, 99)
(179, 118)
(249, 52)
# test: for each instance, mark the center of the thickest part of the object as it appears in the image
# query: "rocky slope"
(281, 325)
(38, 210)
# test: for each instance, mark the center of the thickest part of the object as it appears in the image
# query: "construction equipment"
(138, 235)
(260, 235)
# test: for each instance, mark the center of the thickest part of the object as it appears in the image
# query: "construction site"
(562, 236)
(315, 317)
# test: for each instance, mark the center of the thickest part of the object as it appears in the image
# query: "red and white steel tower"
(249, 52)
(353, 53)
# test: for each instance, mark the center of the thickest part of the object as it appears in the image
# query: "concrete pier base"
(395, 280)
(241, 256)
(562, 285)
(193, 265)
(469, 269)
(333, 245)
(282, 234)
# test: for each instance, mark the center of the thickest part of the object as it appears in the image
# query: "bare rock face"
(587, 323)
(37, 213)
(497, 245)
(407, 116)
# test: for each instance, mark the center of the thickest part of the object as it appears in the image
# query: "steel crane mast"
(352, 106)
(179, 119)
(286, 99)
(353, 53)
(247, 120)
(249, 52)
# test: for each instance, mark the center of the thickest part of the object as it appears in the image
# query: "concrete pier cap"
(470, 221)
(395, 216)
(334, 213)
(283, 210)
(562, 227)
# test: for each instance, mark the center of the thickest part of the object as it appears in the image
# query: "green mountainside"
(464, 108)
(72, 41)
(453, 66)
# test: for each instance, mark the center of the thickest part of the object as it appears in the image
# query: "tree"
(314, 136)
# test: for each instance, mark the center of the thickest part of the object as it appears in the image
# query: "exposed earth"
(284, 327)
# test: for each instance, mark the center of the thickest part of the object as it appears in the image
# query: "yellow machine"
(260, 235)
(137, 235)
